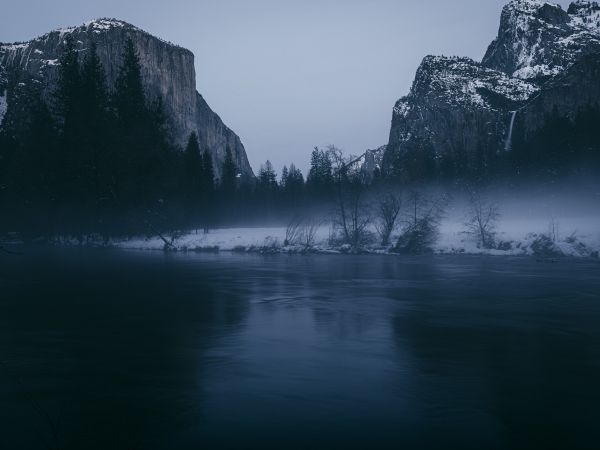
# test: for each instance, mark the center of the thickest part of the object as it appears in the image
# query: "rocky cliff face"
(167, 70)
(576, 87)
(369, 163)
(460, 112)
(539, 40)
(455, 108)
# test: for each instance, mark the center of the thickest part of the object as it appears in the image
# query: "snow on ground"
(517, 235)
(226, 239)
(571, 238)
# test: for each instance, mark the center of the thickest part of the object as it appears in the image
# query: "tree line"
(100, 160)
(97, 160)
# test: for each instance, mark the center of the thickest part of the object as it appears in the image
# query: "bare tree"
(302, 231)
(388, 209)
(308, 234)
(353, 215)
(340, 169)
(293, 231)
(421, 222)
(482, 220)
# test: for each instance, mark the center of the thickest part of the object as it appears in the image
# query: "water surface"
(142, 350)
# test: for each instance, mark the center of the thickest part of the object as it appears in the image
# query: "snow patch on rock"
(586, 14)
(105, 24)
(528, 6)
(539, 40)
(465, 82)
(402, 108)
(532, 72)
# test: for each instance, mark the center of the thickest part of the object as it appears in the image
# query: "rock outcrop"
(369, 163)
(167, 70)
(459, 114)
(538, 40)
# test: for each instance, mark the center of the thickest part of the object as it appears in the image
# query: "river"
(109, 349)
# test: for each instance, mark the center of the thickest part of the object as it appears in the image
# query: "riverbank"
(272, 240)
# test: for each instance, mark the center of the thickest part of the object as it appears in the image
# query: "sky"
(290, 75)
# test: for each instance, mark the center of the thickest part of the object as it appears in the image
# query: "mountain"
(459, 115)
(369, 163)
(538, 40)
(168, 74)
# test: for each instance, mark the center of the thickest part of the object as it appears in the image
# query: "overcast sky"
(289, 75)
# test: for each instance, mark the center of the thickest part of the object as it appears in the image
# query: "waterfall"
(508, 144)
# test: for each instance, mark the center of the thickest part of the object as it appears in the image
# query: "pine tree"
(208, 190)
(284, 177)
(96, 156)
(93, 81)
(295, 182)
(129, 99)
(292, 186)
(69, 109)
(313, 174)
(92, 152)
(68, 93)
(193, 168)
(138, 135)
(229, 174)
(267, 178)
(208, 178)
(40, 159)
(266, 189)
(320, 176)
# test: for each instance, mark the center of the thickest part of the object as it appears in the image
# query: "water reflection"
(114, 348)
(145, 350)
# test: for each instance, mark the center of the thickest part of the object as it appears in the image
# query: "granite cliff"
(459, 115)
(167, 70)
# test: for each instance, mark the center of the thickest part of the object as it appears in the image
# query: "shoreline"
(13, 248)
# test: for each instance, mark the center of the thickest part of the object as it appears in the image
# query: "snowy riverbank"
(452, 240)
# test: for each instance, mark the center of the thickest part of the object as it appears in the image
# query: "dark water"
(134, 350)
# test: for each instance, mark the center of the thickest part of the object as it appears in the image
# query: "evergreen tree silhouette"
(229, 174)
(267, 178)
(208, 190)
(320, 177)
(129, 98)
(69, 109)
(138, 136)
(96, 149)
(193, 171)
(208, 173)
(284, 177)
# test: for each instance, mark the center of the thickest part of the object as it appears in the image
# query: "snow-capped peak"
(585, 14)
(106, 24)
(528, 6)
(97, 26)
(539, 40)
